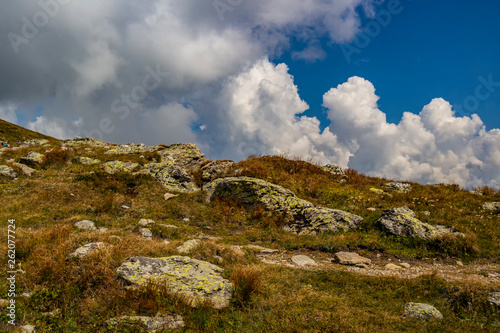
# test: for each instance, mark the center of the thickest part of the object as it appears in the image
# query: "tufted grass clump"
(56, 157)
(247, 282)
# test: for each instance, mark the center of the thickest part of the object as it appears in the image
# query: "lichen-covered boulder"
(183, 155)
(33, 158)
(195, 279)
(119, 166)
(7, 171)
(491, 206)
(214, 169)
(188, 246)
(88, 161)
(34, 142)
(334, 169)
(131, 148)
(319, 220)
(172, 177)
(303, 217)
(24, 168)
(422, 311)
(401, 187)
(151, 324)
(402, 222)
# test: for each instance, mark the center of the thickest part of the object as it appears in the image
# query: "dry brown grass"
(247, 282)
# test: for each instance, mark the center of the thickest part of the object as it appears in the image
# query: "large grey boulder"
(422, 311)
(188, 246)
(7, 171)
(172, 177)
(195, 279)
(402, 222)
(151, 324)
(24, 168)
(303, 261)
(492, 206)
(303, 217)
(186, 156)
(212, 170)
(33, 158)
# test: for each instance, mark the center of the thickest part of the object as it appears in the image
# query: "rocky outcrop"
(131, 148)
(195, 279)
(402, 222)
(492, 206)
(215, 169)
(33, 158)
(77, 141)
(151, 324)
(422, 311)
(7, 171)
(172, 177)
(119, 166)
(34, 142)
(304, 218)
(334, 169)
(185, 156)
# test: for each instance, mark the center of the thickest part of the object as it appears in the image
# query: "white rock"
(302, 261)
(85, 225)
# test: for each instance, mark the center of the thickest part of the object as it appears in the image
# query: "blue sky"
(430, 49)
(241, 77)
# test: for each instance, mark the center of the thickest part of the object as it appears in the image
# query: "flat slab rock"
(402, 222)
(303, 261)
(303, 217)
(195, 279)
(151, 324)
(422, 311)
(351, 258)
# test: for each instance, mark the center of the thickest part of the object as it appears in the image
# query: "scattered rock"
(119, 166)
(302, 216)
(261, 249)
(197, 280)
(215, 169)
(145, 222)
(88, 160)
(492, 206)
(86, 141)
(24, 168)
(401, 187)
(476, 192)
(126, 206)
(85, 225)
(34, 142)
(186, 156)
(334, 169)
(426, 213)
(102, 229)
(188, 246)
(405, 265)
(303, 261)
(168, 196)
(371, 209)
(351, 258)
(26, 329)
(7, 171)
(459, 263)
(151, 324)
(237, 250)
(33, 158)
(494, 298)
(422, 311)
(146, 233)
(168, 226)
(402, 222)
(393, 267)
(87, 249)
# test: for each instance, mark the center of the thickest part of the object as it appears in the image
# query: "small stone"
(351, 258)
(459, 263)
(422, 311)
(237, 250)
(405, 265)
(146, 233)
(26, 329)
(126, 207)
(186, 219)
(4, 303)
(494, 298)
(27, 295)
(393, 267)
(168, 226)
(145, 222)
(188, 246)
(102, 229)
(303, 261)
(7, 171)
(86, 249)
(401, 187)
(165, 242)
(51, 313)
(168, 196)
(371, 209)
(492, 205)
(85, 225)
(426, 213)
(376, 190)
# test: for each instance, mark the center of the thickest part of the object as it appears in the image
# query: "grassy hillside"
(13, 133)
(272, 294)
